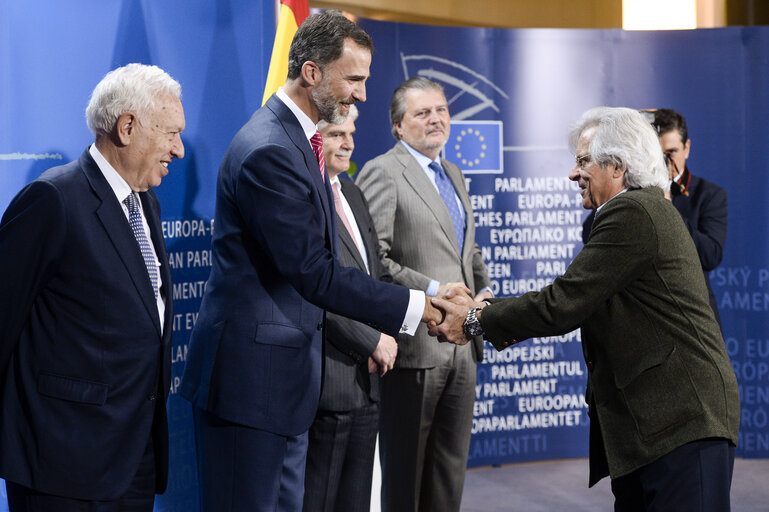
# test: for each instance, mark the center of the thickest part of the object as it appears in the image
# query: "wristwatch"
(472, 327)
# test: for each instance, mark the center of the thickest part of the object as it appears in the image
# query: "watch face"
(473, 329)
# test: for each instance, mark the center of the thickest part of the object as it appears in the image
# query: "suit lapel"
(416, 177)
(294, 131)
(348, 243)
(118, 230)
(357, 207)
(149, 201)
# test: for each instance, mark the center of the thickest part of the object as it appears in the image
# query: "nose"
(574, 173)
(177, 149)
(348, 142)
(359, 91)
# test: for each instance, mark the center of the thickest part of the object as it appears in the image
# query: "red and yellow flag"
(292, 14)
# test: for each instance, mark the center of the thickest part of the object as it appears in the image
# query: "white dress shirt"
(121, 189)
(353, 223)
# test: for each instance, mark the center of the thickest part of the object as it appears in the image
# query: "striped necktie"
(317, 147)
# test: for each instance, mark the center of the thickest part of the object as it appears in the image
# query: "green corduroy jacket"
(658, 372)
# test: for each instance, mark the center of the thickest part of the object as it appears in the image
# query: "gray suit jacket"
(658, 372)
(347, 385)
(417, 238)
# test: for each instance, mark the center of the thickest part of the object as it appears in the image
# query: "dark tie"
(446, 190)
(135, 219)
(317, 147)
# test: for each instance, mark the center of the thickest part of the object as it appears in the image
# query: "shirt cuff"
(432, 288)
(486, 289)
(413, 312)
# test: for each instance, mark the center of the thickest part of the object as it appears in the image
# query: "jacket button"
(152, 396)
(320, 325)
(590, 366)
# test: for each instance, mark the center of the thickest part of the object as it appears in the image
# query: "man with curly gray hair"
(663, 400)
(86, 310)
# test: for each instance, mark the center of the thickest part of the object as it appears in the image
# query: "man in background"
(702, 204)
(342, 438)
(426, 229)
(86, 309)
(255, 359)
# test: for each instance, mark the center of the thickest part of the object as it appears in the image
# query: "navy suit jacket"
(347, 384)
(255, 353)
(84, 369)
(704, 212)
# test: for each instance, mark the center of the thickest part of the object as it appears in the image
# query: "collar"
(612, 197)
(680, 185)
(119, 186)
(421, 159)
(308, 127)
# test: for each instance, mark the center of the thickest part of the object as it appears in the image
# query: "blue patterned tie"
(135, 219)
(446, 190)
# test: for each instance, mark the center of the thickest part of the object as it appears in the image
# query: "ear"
(125, 127)
(687, 147)
(399, 130)
(311, 73)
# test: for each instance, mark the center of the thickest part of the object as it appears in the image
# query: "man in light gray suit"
(426, 230)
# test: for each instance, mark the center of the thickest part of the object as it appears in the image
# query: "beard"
(328, 105)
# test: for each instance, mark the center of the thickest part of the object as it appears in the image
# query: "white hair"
(625, 138)
(353, 114)
(131, 88)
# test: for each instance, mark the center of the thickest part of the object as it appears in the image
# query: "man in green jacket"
(664, 403)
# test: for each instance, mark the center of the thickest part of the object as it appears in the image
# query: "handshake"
(445, 314)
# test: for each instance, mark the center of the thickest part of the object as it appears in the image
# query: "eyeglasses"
(582, 161)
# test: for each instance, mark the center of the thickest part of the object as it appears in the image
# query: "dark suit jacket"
(256, 350)
(347, 384)
(658, 373)
(704, 212)
(81, 354)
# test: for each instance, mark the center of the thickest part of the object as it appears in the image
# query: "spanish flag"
(292, 14)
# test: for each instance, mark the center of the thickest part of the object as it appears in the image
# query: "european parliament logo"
(475, 146)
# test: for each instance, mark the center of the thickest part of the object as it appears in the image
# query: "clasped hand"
(445, 313)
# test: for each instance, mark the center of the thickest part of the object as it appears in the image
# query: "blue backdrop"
(513, 95)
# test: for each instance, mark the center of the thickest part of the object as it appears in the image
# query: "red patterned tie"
(317, 147)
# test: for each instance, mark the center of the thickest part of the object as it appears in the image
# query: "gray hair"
(353, 115)
(131, 88)
(625, 138)
(398, 103)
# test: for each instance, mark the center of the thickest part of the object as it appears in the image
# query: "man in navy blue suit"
(86, 308)
(255, 359)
